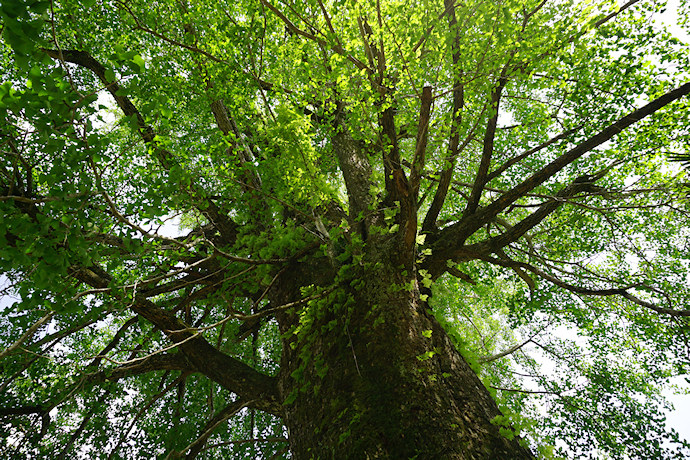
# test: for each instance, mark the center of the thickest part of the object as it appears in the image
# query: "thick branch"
(28, 410)
(21, 410)
(355, 168)
(420, 146)
(488, 146)
(219, 367)
(397, 186)
(457, 233)
(453, 147)
(159, 362)
(583, 184)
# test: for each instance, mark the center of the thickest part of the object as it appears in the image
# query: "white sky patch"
(171, 227)
(670, 19)
(104, 117)
(678, 417)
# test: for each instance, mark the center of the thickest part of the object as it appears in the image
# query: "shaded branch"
(158, 362)
(41, 411)
(80, 429)
(429, 223)
(226, 123)
(481, 177)
(493, 244)
(419, 159)
(219, 367)
(143, 410)
(113, 342)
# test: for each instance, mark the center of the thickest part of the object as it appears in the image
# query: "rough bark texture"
(376, 376)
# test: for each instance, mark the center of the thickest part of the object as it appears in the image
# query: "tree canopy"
(214, 216)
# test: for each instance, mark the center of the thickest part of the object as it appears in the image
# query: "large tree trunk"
(370, 373)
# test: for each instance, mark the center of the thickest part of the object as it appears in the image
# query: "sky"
(670, 18)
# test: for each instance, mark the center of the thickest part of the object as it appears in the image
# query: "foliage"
(166, 164)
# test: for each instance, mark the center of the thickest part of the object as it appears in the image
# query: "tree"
(407, 229)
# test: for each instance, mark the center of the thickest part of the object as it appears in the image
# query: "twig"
(27, 335)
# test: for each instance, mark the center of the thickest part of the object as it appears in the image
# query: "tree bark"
(370, 373)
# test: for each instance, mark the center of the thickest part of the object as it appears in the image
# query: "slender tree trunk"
(369, 373)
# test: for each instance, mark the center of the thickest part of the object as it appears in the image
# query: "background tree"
(395, 217)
